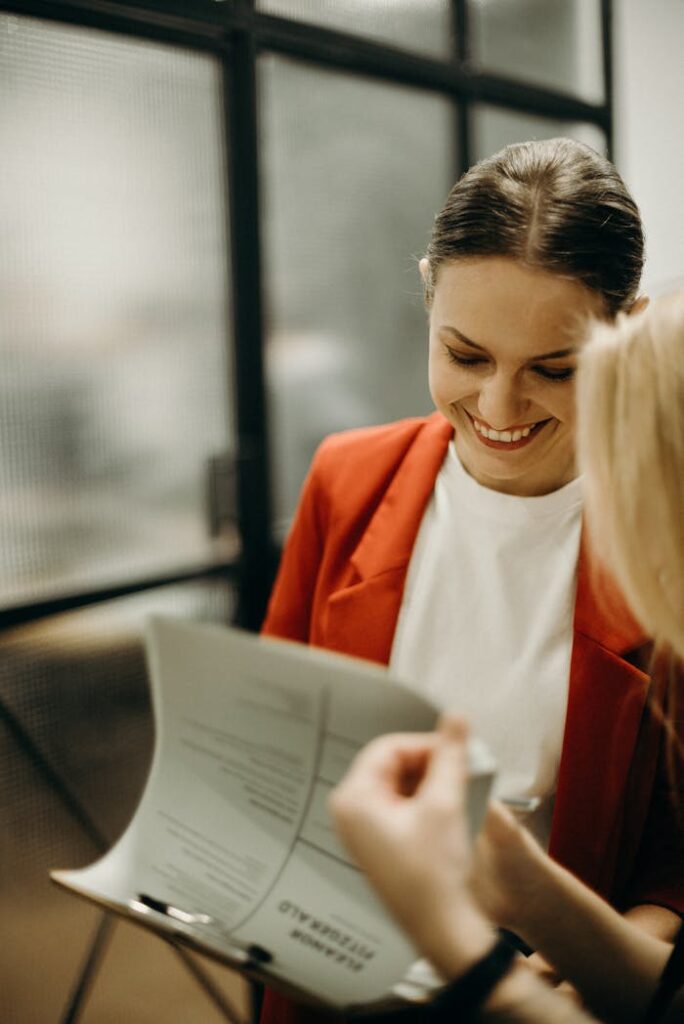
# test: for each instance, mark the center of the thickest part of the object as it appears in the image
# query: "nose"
(501, 402)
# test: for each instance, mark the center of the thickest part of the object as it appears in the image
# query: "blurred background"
(211, 215)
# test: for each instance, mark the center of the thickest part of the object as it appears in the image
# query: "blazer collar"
(601, 612)
(388, 540)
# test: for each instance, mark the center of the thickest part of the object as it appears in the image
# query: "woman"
(451, 547)
(631, 441)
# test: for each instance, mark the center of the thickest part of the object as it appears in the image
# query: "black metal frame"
(235, 34)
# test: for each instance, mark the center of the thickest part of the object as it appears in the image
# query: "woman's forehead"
(493, 301)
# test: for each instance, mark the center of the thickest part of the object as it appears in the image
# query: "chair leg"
(222, 1004)
(81, 989)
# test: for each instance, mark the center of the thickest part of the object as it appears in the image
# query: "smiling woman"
(452, 547)
(498, 374)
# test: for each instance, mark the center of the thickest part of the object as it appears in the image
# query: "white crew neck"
(498, 505)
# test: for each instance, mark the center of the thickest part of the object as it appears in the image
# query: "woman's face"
(503, 350)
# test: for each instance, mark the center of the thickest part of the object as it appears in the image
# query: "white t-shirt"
(485, 625)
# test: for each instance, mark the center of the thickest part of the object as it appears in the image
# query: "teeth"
(502, 435)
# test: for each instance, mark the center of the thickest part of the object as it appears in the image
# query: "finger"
(453, 725)
(385, 767)
(386, 756)
(543, 968)
(570, 993)
(446, 772)
(500, 825)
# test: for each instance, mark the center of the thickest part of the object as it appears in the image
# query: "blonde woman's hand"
(401, 813)
(508, 871)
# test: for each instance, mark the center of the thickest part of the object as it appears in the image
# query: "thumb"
(453, 725)
(448, 767)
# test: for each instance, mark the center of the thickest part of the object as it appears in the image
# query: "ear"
(639, 304)
(424, 267)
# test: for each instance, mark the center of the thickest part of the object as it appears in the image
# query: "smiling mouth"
(511, 439)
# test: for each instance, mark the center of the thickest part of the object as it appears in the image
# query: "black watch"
(459, 1000)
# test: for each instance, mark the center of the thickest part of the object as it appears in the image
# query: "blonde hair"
(631, 450)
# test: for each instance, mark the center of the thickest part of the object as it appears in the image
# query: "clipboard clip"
(251, 955)
(143, 904)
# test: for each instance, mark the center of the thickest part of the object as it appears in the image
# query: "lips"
(502, 440)
(508, 435)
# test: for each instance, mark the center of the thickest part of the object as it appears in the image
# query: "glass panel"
(75, 687)
(353, 174)
(421, 25)
(112, 305)
(494, 128)
(553, 43)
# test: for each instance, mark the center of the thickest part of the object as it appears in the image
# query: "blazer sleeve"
(658, 875)
(288, 614)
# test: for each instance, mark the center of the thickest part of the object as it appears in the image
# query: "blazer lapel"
(606, 704)
(361, 616)
(606, 694)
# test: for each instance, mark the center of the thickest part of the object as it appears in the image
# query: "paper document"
(231, 848)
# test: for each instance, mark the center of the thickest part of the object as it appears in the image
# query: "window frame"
(235, 33)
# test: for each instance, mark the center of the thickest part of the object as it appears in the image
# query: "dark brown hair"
(555, 205)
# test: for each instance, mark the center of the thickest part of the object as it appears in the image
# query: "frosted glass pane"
(494, 128)
(421, 25)
(554, 43)
(353, 175)
(112, 305)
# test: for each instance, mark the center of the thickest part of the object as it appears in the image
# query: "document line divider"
(322, 719)
(331, 856)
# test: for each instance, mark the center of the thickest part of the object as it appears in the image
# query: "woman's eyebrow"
(560, 353)
(462, 337)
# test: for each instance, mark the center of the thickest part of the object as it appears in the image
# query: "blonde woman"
(631, 450)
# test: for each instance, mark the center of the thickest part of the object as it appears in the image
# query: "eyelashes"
(454, 357)
(554, 375)
(471, 362)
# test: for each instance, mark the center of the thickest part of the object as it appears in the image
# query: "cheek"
(565, 410)
(444, 390)
(557, 400)
(436, 386)
(435, 380)
(446, 383)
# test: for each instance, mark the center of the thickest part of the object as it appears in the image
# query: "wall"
(649, 95)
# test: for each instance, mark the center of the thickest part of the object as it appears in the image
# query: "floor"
(75, 741)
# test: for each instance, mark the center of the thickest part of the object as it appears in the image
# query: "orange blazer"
(340, 586)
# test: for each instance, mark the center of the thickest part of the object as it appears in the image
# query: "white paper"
(251, 735)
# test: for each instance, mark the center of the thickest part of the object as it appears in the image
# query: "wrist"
(512, 988)
(534, 885)
(522, 996)
(468, 994)
(458, 940)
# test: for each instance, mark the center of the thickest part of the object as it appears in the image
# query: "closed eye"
(463, 360)
(554, 375)
(546, 373)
